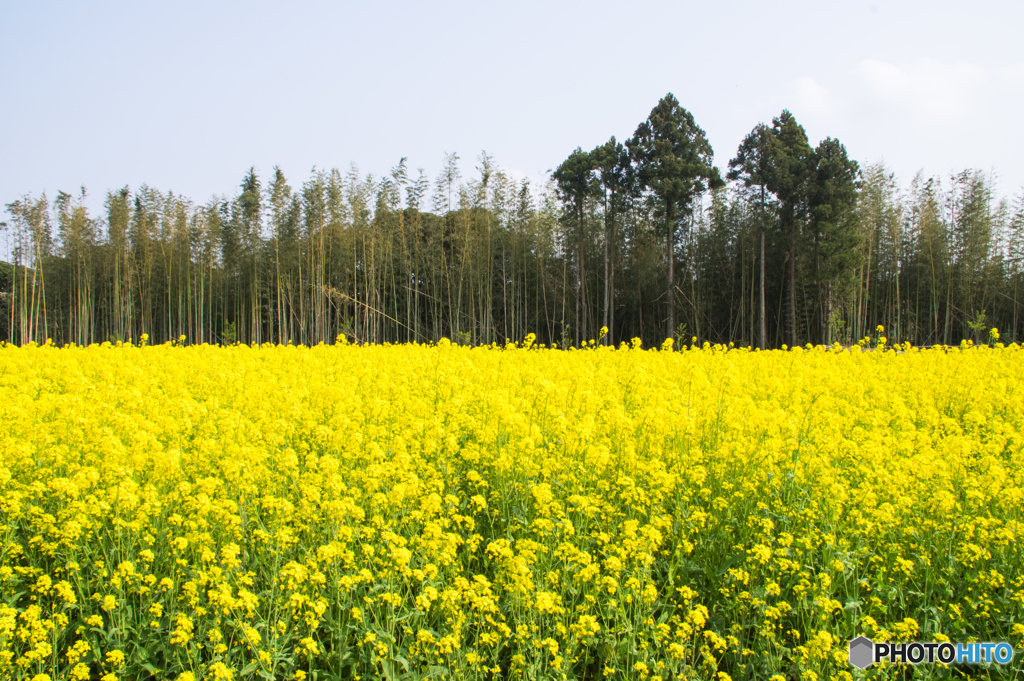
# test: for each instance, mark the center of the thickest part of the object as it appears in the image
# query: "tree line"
(646, 238)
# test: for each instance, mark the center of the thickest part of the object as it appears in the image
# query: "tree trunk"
(792, 285)
(582, 335)
(604, 322)
(670, 241)
(743, 292)
(764, 332)
(611, 289)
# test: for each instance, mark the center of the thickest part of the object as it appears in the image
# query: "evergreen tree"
(674, 160)
(791, 161)
(575, 179)
(250, 227)
(832, 201)
(612, 162)
(752, 166)
(282, 235)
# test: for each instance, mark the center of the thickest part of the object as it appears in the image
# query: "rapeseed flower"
(501, 512)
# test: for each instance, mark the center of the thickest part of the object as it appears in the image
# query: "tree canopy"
(804, 245)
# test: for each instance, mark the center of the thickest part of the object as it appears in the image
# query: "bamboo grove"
(790, 245)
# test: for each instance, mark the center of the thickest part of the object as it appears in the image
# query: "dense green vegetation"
(801, 245)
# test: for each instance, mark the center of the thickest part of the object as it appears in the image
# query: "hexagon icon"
(862, 652)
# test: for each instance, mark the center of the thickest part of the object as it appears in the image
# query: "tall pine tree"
(674, 160)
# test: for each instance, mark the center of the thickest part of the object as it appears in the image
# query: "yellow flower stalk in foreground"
(513, 512)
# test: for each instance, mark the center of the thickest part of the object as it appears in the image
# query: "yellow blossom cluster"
(437, 511)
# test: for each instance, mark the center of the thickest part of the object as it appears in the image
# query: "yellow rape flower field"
(416, 512)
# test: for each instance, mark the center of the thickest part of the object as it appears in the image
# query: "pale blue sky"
(185, 96)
